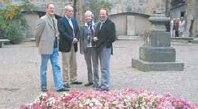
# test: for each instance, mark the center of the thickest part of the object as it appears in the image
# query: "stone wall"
(190, 9)
(31, 20)
(130, 25)
(137, 6)
(195, 26)
(120, 24)
(131, 16)
(59, 5)
(59, 10)
(142, 25)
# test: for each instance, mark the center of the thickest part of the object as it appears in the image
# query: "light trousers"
(69, 66)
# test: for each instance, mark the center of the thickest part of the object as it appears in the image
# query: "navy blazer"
(106, 35)
(66, 34)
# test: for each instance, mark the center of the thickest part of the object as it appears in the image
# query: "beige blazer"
(45, 34)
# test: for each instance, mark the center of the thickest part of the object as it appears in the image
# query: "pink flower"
(114, 99)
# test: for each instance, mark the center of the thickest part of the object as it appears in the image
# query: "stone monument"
(157, 54)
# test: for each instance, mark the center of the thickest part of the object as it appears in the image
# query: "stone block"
(157, 54)
(157, 66)
(159, 39)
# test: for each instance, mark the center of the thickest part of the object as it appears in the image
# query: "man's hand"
(75, 40)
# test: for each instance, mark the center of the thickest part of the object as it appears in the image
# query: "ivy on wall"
(12, 21)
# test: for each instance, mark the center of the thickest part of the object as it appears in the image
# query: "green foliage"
(2, 21)
(27, 6)
(96, 5)
(13, 23)
(14, 32)
(2, 25)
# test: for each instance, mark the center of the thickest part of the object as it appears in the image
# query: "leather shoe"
(62, 89)
(76, 82)
(66, 85)
(88, 84)
(44, 90)
(97, 88)
(104, 89)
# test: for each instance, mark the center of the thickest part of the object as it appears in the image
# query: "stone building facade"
(189, 10)
(41, 9)
(130, 16)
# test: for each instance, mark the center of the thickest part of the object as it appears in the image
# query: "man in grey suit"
(46, 33)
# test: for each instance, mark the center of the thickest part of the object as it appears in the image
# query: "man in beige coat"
(46, 33)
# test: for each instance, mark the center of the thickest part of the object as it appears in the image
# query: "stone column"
(157, 54)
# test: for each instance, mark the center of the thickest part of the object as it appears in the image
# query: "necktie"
(54, 26)
(53, 23)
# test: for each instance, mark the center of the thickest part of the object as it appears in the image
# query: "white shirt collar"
(92, 24)
(68, 18)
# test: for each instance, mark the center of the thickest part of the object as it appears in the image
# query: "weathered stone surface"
(159, 39)
(157, 54)
(158, 22)
(157, 66)
(137, 6)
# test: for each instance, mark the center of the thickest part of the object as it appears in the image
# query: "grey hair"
(88, 12)
(68, 7)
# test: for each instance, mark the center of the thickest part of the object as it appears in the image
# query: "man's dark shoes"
(44, 89)
(76, 82)
(62, 89)
(97, 88)
(104, 89)
(100, 89)
(89, 84)
(66, 85)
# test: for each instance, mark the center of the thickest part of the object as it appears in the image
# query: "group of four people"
(64, 35)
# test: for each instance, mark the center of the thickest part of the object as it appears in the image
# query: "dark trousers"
(176, 33)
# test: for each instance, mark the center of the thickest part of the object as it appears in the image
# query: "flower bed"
(123, 99)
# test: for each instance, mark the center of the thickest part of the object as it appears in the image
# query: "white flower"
(91, 104)
(51, 101)
(80, 105)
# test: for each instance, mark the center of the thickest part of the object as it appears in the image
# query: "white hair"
(89, 13)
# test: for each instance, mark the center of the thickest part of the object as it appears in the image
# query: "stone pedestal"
(157, 54)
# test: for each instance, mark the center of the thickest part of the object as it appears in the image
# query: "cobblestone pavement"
(19, 73)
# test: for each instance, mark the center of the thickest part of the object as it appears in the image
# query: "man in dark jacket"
(105, 35)
(69, 36)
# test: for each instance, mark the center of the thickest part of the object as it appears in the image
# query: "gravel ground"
(19, 73)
